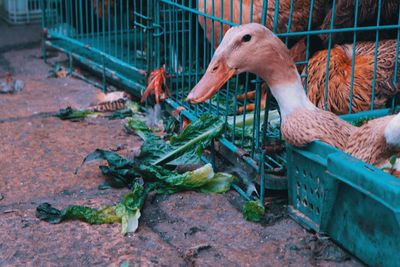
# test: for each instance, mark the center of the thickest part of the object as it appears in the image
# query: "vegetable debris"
(157, 164)
(71, 114)
(253, 211)
(185, 148)
(126, 212)
(79, 114)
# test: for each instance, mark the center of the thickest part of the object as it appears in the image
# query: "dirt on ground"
(39, 155)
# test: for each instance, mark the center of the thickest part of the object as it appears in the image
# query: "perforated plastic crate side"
(365, 217)
(359, 204)
(311, 188)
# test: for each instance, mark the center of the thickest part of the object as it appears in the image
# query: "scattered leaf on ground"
(126, 212)
(253, 211)
(71, 114)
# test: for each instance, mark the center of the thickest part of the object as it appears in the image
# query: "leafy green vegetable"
(132, 105)
(253, 211)
(390, 166)
(132, 108)
(393, 160)
(362, 120)
(202, 180)
(220, 183)
(71, 114)
(193, 140)
(127, 212)
(185, 148)
(175, 182)
(121, 114)
(242, 131)
(120, 171)
(150, 165)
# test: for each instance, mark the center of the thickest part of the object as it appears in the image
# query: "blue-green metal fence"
(124, 40)
(258, 141)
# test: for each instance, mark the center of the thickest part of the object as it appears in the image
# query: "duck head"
(246, 48)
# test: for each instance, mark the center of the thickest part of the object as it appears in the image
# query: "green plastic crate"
(356, 204)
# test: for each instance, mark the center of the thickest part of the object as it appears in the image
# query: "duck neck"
(289, 94)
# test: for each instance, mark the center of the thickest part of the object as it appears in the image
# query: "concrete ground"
(38, 158)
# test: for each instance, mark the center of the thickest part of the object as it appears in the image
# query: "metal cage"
(109, 37)
(254, 136)
(124, 40)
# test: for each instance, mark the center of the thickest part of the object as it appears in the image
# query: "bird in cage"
(377, 142)
(346, 88)
(345, 13)
(367, 12)
(253, 48)
(295, 13)
(287, 16)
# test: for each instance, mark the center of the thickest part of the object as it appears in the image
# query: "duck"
(344, 15)
(377, 142)
(246, 11)
(340, 77)
(254, 48)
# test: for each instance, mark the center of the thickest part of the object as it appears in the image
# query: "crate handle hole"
(317, 210)
(305, 202)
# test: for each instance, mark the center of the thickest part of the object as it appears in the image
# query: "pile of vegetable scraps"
(160, 168)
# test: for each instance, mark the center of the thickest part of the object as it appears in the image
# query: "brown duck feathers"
(344, 15)
(340, 72)
(240, 12)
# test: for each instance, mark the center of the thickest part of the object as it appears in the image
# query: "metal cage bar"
(127, 39)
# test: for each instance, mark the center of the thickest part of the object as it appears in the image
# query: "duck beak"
(218, 72)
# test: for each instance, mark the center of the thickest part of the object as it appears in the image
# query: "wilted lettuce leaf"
(71, 114)
(253, 211)
(185, 148)
(120, 114)
(202, 179)
(177, 182)
(133, 105)
(194, 139)
(127, 212)
(120, 171)
(220, 183)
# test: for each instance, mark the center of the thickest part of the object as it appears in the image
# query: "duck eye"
(246, 38)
